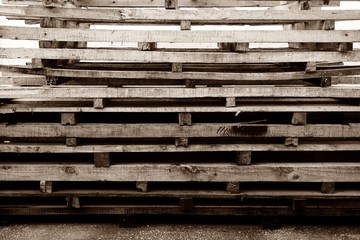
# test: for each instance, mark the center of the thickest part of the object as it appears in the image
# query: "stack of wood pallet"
(180, 107)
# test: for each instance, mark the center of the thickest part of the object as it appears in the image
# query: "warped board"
(180, 56)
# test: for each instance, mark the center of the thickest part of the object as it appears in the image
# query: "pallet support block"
(37, 63)
(68, 119)
(292, 142)
(46, 186)
(310, 67)
(99, 103)
(243, 158)
(233, 187)
(299, 118)
(171, 4)
(190, 83)
(176, 67)
(185, 25)
(147, 46)
(328, 187)
(185, 119)
(71, 142)
(73, 202)
(102, 159)
(181, 142)
(234, 47)
(230, 102)
(143, 186)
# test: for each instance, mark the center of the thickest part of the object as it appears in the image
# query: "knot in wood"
(69, 170)
(5, 167)
(189, 169)
(286, 170)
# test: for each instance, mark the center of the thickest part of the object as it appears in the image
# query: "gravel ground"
(183, 231)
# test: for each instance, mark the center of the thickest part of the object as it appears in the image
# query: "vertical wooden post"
(185, 25)
(176, 67)
(143, 186)
(299, 118)
(181, 142)
(147, 46)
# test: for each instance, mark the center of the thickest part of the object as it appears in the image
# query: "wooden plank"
(182, 3)
(194, 36)
(59, 148)
(156, 93)
(176, 74)
(175, 131)
(288, 105)
(268, 172)
(184, 57)
(160, 15)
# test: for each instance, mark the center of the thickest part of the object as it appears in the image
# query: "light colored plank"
(58, 148)
(182, 3)
(194, 36)
(176, 131)
(160, 15)
(273, 108)
(156, 93)
(282, 172)
(183, 57)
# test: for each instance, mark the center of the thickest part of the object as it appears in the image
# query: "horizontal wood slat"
(316, 172)
(57, 148)
(157, 93)
(179, 56)
(176, 131)
(203, 36)
(198, 15)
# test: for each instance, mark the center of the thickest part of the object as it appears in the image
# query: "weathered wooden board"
(167, 75)
(245, 91)
(179, 56)
(282, 172)
(72, 107)
(181, 3)
(61, 148)
(175, 131)
(199, 15)
(205, 36)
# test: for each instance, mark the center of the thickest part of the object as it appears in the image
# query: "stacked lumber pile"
(180, 107)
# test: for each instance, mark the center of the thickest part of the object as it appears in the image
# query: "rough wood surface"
(281, 172)
(176, 131)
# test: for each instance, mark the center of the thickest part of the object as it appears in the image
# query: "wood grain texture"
(194, 36)
(176, 131)
(299, 172)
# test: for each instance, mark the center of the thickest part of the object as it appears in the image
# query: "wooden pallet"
(180, 119)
